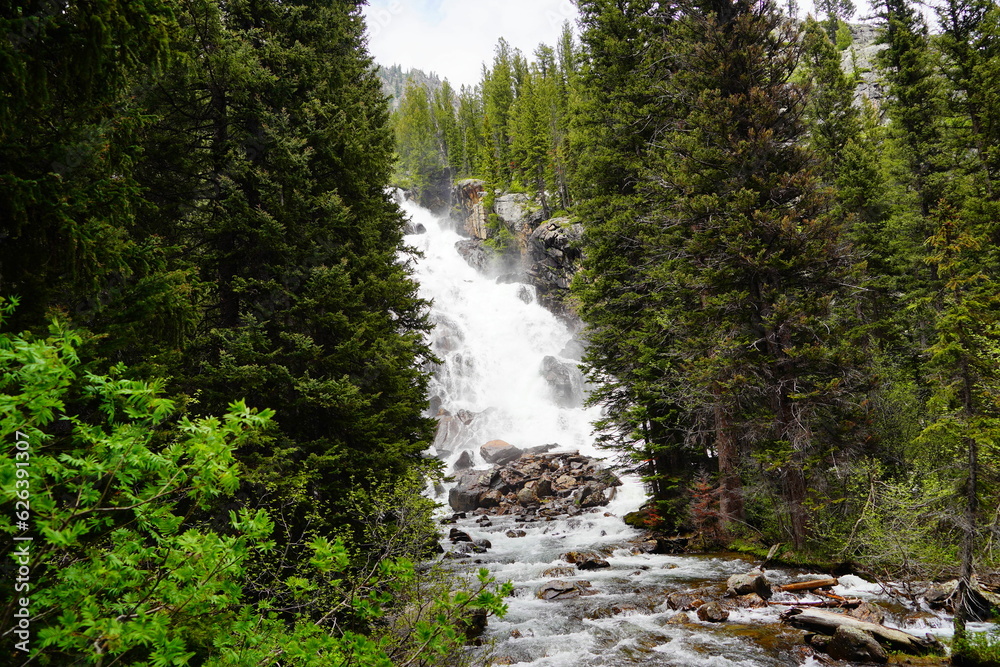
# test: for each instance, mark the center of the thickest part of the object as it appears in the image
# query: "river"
(493, 338)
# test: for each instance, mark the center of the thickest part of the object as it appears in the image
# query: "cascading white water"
(493, 340)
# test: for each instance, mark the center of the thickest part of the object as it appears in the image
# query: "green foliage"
(120, 570)
(844, 38)
(512, 130)
(979, 649)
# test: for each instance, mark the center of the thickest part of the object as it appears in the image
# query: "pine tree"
(446, 125)
(498, 91)
(618, 119)
(965, 405)
(530, 140)
(471, 132)
(423, 157)
(274, 157)
(68, 195)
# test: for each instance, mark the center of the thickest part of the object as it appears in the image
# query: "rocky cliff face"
(860, 57)
(529, 248)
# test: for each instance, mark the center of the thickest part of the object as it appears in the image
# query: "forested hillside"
(790, 290)
(218, 391)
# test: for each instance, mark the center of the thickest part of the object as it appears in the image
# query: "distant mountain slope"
(394, 80)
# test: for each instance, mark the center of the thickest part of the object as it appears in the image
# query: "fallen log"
(807, 585)
(846, 603)
(832, 596)
(827, 622)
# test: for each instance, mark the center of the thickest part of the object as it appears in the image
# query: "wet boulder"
(469, 548)
(557, 589)
(869, 612)
(745, 584)
(457, 535)
(684, 601)
(585, 560)
(499, 452)
(593, 564)
(491, 498)
(565, 382)
(469, 487)
(474, 253)
(414, 228)
(854, 645)
(751, 601)
(464, 461)
(591, 495)
(712, 612)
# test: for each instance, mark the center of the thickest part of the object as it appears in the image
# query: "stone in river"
(712, 612)
(499, 452)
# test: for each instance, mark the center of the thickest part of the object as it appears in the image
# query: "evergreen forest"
(214, 362)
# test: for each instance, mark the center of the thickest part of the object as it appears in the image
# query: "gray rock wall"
(540, 252)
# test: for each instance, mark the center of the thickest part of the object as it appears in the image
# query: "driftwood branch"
(807, 585)
(846, 603)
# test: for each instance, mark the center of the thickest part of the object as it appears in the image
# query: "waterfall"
(494, 341)
(496, 344)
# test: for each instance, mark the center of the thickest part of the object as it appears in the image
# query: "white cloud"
(455, 37)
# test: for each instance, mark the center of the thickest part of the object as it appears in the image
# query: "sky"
(453, 38)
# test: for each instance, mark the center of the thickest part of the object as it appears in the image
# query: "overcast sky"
(453, 38)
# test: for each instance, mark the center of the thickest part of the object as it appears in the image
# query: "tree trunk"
(730, 485)
(963, 603)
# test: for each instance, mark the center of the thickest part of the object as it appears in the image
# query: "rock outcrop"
(542, 253)
(860, 57)
(470, 212)
(553, 259)
(565, 382)
(544, 484)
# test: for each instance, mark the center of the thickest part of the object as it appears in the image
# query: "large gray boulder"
(474, 253)
(565, 382)
(499, 452)
(469, 486)
(855, 645)
(751, 582)
(464, 461)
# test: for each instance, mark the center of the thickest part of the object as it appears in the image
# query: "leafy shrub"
(979, 649)
(121, 574)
